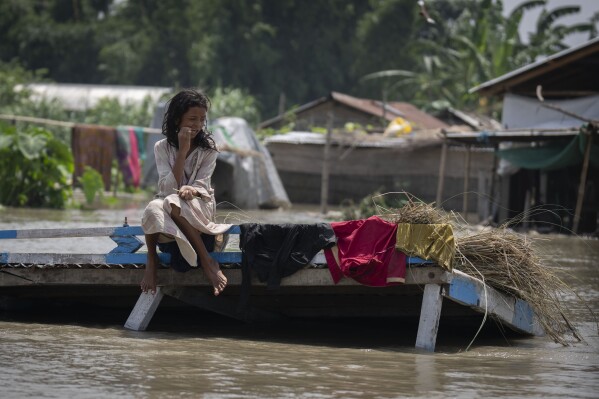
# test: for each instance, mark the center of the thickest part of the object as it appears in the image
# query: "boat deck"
(114, 277)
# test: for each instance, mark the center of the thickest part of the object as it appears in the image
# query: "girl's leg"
(148, 284)
(210, 266)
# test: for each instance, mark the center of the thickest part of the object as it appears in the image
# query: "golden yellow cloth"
(427, 241)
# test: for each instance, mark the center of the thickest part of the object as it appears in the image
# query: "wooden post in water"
(441, 181)
(324, 182)
(583, 176)
(466, 181)
(430, 313)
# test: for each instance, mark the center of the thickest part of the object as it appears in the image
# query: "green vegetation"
(282, 52)
(254, 59)
(373, 204)
(35, 168)
(92, 184)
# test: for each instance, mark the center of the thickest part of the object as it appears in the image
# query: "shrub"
(35, 168)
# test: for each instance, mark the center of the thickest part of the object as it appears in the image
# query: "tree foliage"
(274, 50)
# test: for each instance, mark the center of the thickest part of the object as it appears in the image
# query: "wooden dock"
(309, 292)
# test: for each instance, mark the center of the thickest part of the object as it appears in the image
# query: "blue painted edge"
(8, 234)
(464, 291)
(523, 316)
(126, 244)
(128, 231)
(412, 260)
(4, 257)
(134, 258)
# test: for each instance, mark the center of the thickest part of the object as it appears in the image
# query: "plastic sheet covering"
(552, 156)
(528, 113)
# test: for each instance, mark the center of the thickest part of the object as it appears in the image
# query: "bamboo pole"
(324, 183)
(441, 181)
(466, 183)
(583, 177)
(493, 183)
(52, 122)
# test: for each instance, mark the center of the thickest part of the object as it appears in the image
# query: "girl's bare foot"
(148, 283)
(215, 275)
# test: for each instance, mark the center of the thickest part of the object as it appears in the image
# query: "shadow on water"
(383, 334)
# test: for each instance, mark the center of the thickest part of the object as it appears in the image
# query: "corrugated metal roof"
(526, 135)
(389, 111)
(79, 97)
(536, 68)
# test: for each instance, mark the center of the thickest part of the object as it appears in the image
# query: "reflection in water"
(191, 353)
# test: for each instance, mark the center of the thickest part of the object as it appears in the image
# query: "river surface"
(93, 356)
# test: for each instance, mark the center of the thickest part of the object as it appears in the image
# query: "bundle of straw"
(507, 261)
(418, 213)
(501, 258)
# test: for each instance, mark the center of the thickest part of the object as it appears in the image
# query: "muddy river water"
(184, 355)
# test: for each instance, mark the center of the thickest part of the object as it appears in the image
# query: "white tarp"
(528, 113)
(245, 174)
(256, 182)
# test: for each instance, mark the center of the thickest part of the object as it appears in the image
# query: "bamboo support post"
(326, 164)
(583, 178)
(466, 182)
(441, 181)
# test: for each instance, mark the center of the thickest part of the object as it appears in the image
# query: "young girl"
(184, 207)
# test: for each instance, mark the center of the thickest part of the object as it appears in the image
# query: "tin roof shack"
(547, 156)
(346, 108)
(357, 164)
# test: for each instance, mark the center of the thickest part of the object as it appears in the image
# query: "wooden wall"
(358, 172)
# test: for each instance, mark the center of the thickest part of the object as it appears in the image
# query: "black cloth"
(274, 251)
(178, 262)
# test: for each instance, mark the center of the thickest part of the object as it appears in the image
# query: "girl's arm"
(167, 184)
(201, 183)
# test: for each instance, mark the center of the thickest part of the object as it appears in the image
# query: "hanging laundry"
(128, 155)
(93, 146)
(141, 142)
(427, 241)
(366, 252)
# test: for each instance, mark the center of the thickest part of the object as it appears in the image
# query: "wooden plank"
(101, 259)
(430, 313)
(144, 310)
(124, 258)
(131, 277)
(68, 232)
(512, 312)
(83, 232)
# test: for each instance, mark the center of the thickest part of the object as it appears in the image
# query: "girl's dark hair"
(177, 107)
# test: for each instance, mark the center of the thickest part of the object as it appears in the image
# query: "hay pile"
(505, 261)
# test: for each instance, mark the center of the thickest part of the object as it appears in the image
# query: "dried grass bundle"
(416, 212)
(501, 258)
(507, 261)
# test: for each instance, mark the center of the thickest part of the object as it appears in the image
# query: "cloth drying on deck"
(366, 252)
(427, 241)
(93, 146)
(274, 251)
(128, 155)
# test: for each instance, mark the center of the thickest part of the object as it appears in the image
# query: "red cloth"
(128, 155)
(366, 252)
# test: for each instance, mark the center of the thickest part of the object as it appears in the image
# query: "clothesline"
(69, 125)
